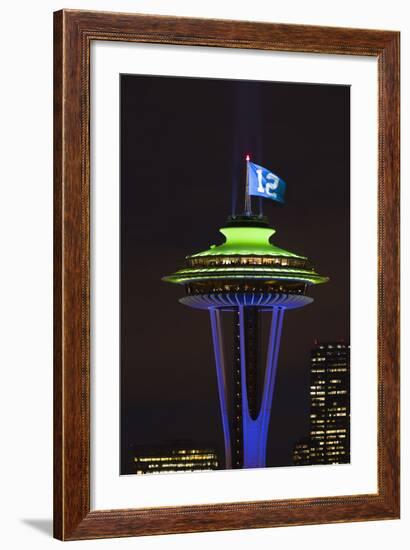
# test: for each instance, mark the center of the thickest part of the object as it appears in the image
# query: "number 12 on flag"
(266, 184)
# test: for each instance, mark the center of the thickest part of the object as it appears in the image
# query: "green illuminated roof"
(247, 255)
(246, 241)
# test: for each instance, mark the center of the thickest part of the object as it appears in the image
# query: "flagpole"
(248, 205)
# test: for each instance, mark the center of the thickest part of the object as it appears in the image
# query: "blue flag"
(263, 183)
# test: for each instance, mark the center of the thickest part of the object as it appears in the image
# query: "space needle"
(242, 282)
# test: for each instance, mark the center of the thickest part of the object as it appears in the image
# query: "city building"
(247, 277)
(178, 457)
(328, 441)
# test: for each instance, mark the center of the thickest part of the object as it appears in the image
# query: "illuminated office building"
(246, 279)
(329, 432)
(180, 458)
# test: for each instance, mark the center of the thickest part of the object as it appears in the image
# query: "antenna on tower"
(248, 204)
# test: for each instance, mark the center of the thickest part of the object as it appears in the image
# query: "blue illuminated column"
(254, 430)
(221, 377)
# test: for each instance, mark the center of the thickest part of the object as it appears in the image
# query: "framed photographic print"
(226, 275)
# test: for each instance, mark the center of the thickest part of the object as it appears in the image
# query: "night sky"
(183, 142)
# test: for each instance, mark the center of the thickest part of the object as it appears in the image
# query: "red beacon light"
(248, 158)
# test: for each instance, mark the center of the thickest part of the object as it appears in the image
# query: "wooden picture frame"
(74, 31)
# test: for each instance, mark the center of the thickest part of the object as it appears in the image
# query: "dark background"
(183, 142)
